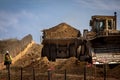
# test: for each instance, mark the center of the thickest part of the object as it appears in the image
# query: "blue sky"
(21, 17)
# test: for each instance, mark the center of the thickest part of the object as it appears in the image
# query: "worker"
(7, 59)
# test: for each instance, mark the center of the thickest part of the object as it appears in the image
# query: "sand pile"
(62, 30)
(73, 67)
(32, 55)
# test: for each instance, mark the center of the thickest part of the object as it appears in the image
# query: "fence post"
(85, 72)
(104, 71)
(21, 72)
(33, 73)
(49, 75)
(8, 68)
(65, 74)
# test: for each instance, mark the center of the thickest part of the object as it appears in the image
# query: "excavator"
(101, 45)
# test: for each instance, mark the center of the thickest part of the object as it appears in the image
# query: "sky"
(19, 18)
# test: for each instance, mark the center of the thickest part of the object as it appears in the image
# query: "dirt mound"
(32, 55)
(33, 58)
(14, 46)
(71, 65)
(62, 30)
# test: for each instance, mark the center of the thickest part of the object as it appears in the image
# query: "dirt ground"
(32, 64)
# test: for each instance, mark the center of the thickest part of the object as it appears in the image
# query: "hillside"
(31, 54)
(14, 46)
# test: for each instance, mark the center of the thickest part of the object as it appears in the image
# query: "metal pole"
(49, 75)
(104, 71)
(8, 67)
(33, 73)
(95, 72)
(21, 72)
(65, 75)
(85, 72)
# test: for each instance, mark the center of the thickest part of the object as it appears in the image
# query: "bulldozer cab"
(100, 23)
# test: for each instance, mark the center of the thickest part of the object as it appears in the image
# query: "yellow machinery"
(102, 43)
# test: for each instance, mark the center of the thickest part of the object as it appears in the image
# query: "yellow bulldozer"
(102, 43)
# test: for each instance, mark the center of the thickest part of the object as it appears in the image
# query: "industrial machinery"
(60, 41)
(98, 46)
(102, 43)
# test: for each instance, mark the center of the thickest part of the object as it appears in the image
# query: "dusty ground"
(74, 68)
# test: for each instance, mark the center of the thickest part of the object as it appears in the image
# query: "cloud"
(100, 4)
(17, 24)
(14, 20)
(6, 20)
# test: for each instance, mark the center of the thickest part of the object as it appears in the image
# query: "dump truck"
(102, 43)
(60, 41)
